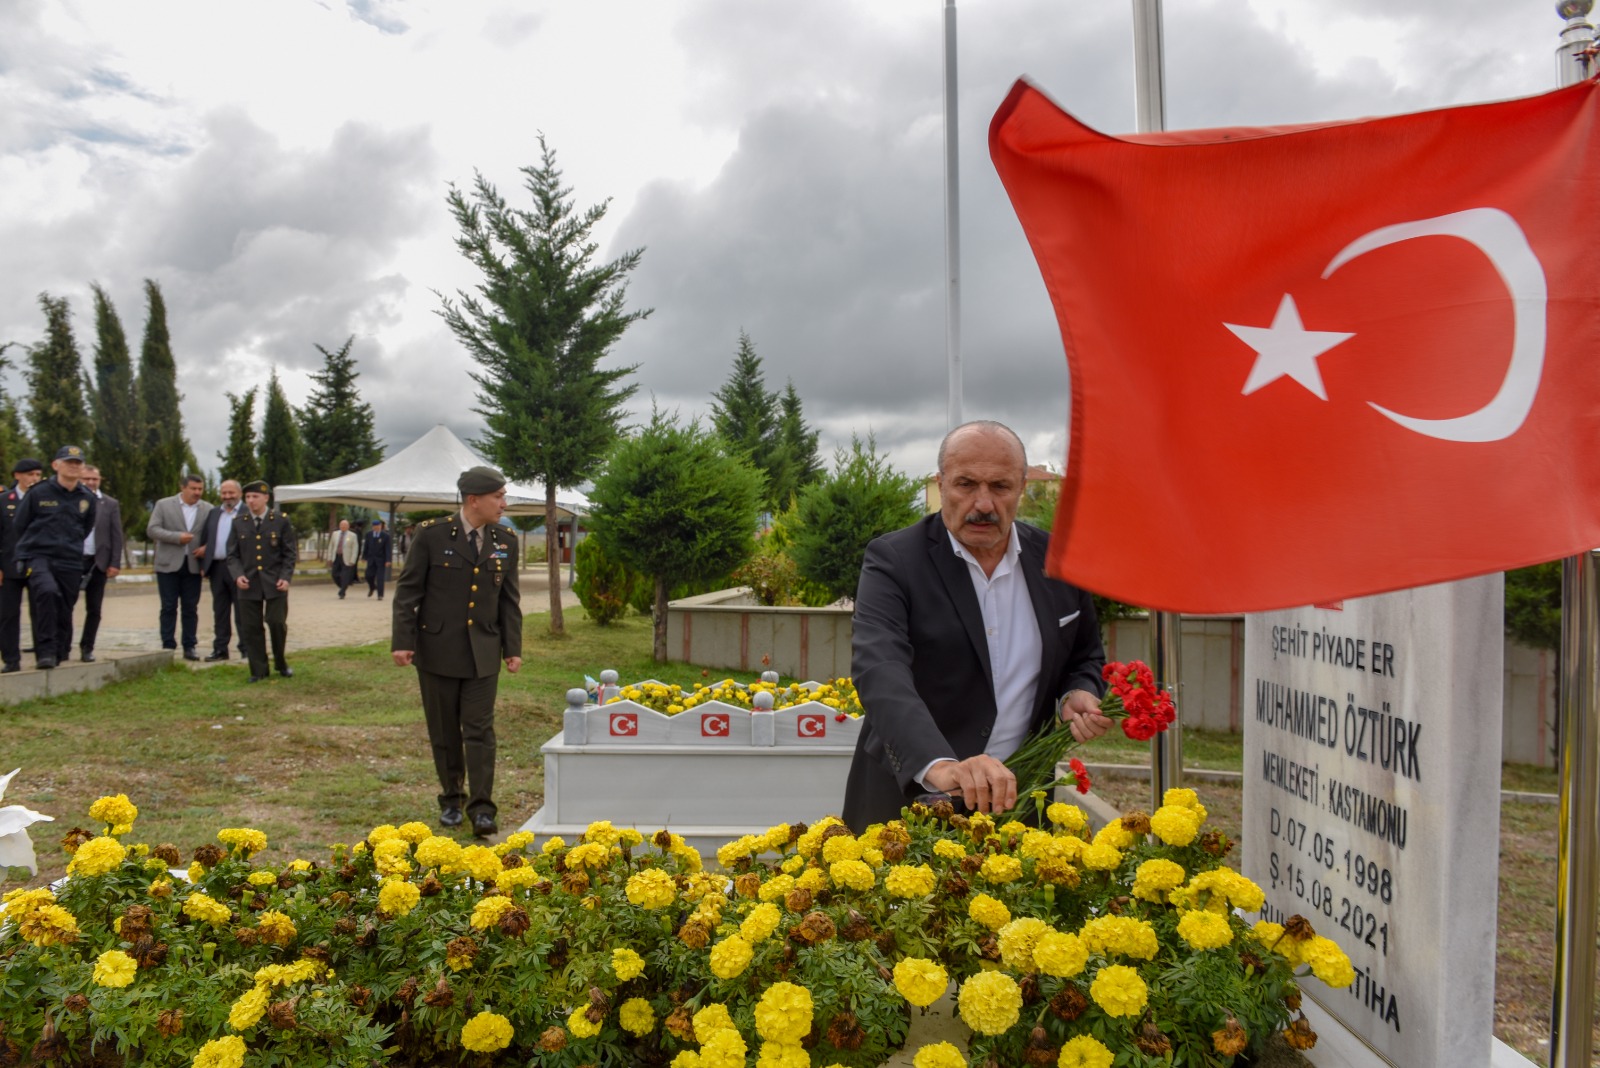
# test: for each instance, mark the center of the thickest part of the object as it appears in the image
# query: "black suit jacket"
(108, 533)
(378, 548)
(216, 554)
(920, 660)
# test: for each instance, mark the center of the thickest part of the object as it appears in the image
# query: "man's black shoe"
(45, 663)
(371, 592)
(9, 668)
(190, 654)
(87, 656)
(258, 678)
(483, 825)
(286, 671)
(341, 595)
(214, 657)
(450, 816)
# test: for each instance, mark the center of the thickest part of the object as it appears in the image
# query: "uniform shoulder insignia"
(426, 523)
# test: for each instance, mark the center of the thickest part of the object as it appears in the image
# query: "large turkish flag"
(1318, 362)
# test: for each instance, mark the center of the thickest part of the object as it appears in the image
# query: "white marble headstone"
(1372, 805)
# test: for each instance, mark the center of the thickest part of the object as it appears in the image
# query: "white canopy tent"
(423, 476)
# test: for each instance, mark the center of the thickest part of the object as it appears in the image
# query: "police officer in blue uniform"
(25, 474)
(52, 522)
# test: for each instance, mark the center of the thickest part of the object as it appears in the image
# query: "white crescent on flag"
(811, 726)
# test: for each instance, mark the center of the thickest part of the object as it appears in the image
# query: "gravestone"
(1372, 806)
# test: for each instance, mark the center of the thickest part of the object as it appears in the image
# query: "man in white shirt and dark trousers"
(175, 525)
(213, 556)
(342, 561)
(102, 560)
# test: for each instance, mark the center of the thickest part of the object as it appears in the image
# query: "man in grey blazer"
(175, 525)
(102, 559)
(962, 646)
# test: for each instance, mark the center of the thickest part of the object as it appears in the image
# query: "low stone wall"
(727, 629)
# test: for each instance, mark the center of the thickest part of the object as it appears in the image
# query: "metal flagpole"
(1150, 102)
(1578, 851)
(952, 222)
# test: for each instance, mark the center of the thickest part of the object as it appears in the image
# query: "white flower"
(16, 848)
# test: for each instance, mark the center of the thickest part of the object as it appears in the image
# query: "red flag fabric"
(1318, 362)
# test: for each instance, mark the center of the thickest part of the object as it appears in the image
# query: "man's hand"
(243, 582)
(1080, 710)
(983, 782)
(113, 572)
(283, 584)
(200, 550)
(513, 664)
(185, 538)
(402, 657)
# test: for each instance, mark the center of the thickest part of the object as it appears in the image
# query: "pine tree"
(55, 381)
(335, 426)
(14, 441)
(115, 444)
(542, 319)
(745, 415)
(240, 460)
(798, 464)
(840, 513)
(166, 450)
(282, 455)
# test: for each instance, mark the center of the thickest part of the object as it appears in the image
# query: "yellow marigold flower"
(761, 922)
(275, 927)
(160, 888)
(872, 857)
(1115, 835)
(1244, 894)
(626, 963)
(270, 975)
(1155, 877)
(555, 844)
(580, 1024)
(487, 912)
(1120, 935)
(990, 912)
(1017, 940)
(637, 1017)
(841, 847)
(601, 831)
(1059, 954)
(776, 838)
(812, 879)
(949, 850)
(261, 878)
(457, 960)
(196, 872)
(1067, 816)
(486, 1033)
(383, 832)
(784, 1013)
(517, 878)
(1205, 930)
(114, 968)
(686, 1058)
(782, 1055)
(703, 883)
(437, 851)
(392, 856)
(1041, 844)
(1011, 827)
(1224, 887)
(724, 1049)
(481, 863)
(1185, 798)
(225, 1052)
(776, 888)
(808, 844)
(990, 1003)
(1101, 856)
(709, 1020)
(248, 1010)
(1085, 1051)
(396, 897)
(730, 853)
(1119, 991)
(792, 864)
(245, 841)
(1175, 825)
(515, 842)
(117, 811)
(852, 873)
(97, 856)
(48, 925)
(1001, 869)
(19, 902)
(938, 1055)
(414, 831)
(299, 865)
(204, 909)
(1328, 962)
(730, 956)
(587, 855)
(907, 880)
(920, 981)
(651, 888)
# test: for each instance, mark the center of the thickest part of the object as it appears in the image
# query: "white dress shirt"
(88, 543)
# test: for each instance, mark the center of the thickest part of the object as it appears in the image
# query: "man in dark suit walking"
(25, 473)
(215, 533)
(102, 560)
(261, 558)
(457, 615)
(377, 550)
(962, 646)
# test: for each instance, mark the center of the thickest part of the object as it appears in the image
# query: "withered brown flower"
(169, 1022)
(1299, 1034)
(1231, 1040)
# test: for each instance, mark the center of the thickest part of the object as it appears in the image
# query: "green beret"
(477, 481)
(258, 486)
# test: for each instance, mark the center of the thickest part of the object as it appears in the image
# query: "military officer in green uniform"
(262, 551)
(457, 615)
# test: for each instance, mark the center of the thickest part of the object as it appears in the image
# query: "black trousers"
(460, 715)
(224, 610)
(376, 573)
(179, 587)
(257, 620)
(11, 591)
(94, 594)
(52, 594)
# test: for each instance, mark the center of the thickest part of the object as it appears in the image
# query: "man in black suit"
(26, 473)
(377, 550)
(102, 560)
(962, 646)
(215, 533)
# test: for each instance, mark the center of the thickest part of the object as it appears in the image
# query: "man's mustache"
(983, 517)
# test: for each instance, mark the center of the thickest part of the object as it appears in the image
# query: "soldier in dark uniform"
(457, 615)
(262, 551)
(25, 474)
(51, 523)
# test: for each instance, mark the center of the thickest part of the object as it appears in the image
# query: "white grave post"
(1372, 805)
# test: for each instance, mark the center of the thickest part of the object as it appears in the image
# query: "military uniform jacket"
(461, 616)
(52, 522)
(9, 502)
(262, 555)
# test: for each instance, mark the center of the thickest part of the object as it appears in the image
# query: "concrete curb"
(76, 677)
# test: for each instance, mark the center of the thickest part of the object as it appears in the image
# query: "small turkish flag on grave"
(714, 725)
(1311, 363)
(811, 725)
(624, 724)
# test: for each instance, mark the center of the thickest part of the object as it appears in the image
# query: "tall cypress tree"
(335, 426)
(745, 415)
(115, 446)
(55, 381)
(798, 464)
(240, 461)
(541, 320)
(166, 450)
(282, 455)
(14, 440)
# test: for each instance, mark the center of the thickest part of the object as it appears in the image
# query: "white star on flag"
(1287, 348)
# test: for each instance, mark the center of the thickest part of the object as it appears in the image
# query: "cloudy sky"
(280, 167)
